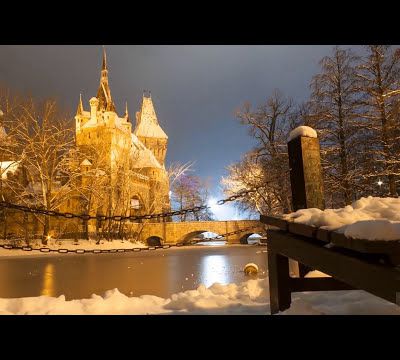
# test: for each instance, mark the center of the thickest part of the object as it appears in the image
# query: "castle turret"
(149, 131)
(94, 103)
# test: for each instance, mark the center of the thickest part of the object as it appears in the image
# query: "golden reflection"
(48, 281)
(214, 268)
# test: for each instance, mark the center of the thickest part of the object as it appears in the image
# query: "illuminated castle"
(138, 155)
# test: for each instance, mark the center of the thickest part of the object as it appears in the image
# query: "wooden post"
(306, 181)
(306, 173)
(279, 282)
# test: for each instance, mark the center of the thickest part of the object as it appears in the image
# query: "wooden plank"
(380, 280)
(323, 235)
(279, 286)
(391, 248)
(274, 221)
(302, 229)
(318, 284)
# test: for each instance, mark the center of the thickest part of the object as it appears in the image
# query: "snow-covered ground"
(249, 297)
(72, 245)
(370, 218)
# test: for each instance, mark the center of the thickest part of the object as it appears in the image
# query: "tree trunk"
(26, 224)
(5, 223)
(46, 229)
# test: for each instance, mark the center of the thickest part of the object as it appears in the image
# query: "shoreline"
(13, 254)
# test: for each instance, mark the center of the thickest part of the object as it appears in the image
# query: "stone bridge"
(175, 232)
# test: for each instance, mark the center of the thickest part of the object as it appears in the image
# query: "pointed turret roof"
(104, 93)
(79, 110)
(146, 120)
(126, 112)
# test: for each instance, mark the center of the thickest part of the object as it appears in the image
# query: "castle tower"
(104, 93)
(149, 131)
(132, 163)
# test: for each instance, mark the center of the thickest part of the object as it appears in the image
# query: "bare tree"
(42, 136)
(379, 75)
(190, 191)
(269, 124)
(334, 113)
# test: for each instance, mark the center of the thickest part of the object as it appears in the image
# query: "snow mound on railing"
(370, 218)
(302, 131)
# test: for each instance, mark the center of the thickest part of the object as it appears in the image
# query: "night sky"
(195, 89)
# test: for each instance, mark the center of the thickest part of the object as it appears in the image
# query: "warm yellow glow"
(48, 281)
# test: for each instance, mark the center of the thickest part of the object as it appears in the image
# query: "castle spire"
(126, 112)
(104, 93)
(79, 110)
(104, 67)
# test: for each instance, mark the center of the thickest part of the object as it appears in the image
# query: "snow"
(71, 245)
(370, 218)
(316, 273)
(143, 157)
(302, 131)
(8, 167)
(250, 268)
(249, 297)
(147, 123)
(86, 162)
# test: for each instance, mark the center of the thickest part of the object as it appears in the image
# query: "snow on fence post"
(305, 177)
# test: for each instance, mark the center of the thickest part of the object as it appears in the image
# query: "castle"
(113, 170)
(136, 158)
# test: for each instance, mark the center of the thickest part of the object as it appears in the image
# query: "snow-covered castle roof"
(146, 121)
(142, 155)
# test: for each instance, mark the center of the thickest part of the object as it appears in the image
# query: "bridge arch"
(154, 241)
(191, 235)
(244, 239)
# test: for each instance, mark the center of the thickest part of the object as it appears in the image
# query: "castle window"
(135, 204)
(89, 135)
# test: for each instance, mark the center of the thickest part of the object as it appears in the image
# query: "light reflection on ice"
(214, 269)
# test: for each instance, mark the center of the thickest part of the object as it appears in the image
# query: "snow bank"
(302, 131)
(247, 298)
(370, 218)
(250, 297)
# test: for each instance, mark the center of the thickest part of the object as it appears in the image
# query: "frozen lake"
(160, 272)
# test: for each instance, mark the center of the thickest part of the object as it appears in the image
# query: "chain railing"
(54, 213)
(86, 217)
(136, 249)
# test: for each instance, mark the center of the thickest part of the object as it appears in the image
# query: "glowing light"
(214, 268)
(380, 182)
(212, 203)
(48, 237)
